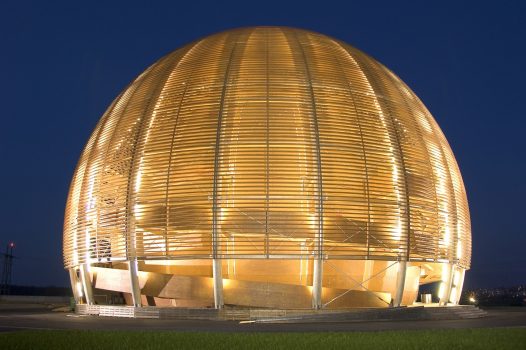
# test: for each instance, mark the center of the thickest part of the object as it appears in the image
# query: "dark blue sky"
(63, 63)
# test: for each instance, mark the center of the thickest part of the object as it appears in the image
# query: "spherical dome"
(267, 143)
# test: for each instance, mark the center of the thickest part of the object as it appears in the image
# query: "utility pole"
(5, 283)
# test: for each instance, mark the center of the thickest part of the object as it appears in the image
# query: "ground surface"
(20, 317)
(451, 339)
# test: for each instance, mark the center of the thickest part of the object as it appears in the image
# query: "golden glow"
(161, 262)
(441, 290)
(456, 278)
(459, 249)
(79, 289)
(445, 272)
(453, 295)
(285, 142)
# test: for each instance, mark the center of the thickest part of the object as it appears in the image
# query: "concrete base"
(287, 316)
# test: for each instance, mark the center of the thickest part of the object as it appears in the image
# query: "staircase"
(387, 314)
(470, 311)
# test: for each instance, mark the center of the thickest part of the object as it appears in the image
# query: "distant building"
(510, 296)
(267, 167)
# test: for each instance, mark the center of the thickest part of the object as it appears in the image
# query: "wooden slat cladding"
(278, 140)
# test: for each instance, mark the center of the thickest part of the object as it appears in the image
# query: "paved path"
(18, 317)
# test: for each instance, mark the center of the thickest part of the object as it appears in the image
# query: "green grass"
(428, 340)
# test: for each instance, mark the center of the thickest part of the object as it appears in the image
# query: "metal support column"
(86, 284)
(218, 283)
(134, 282)
(216, 230)
(400, 283)
(452, 296)
(75, 284)
(460, 285)
(447, 286)
(317, 274)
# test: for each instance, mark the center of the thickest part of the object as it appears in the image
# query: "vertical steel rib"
(146, 113)
(216, 263)
(267, 165)
(90, 156)
(132, 174)
(402, 270)
(451, 190)
(406, 185)
(318, 151)
(364, 153)
(398, 146)
(217, 155)
(168, 170)
(89, 161)
(317, 272)
(172, 142)
(424, 147)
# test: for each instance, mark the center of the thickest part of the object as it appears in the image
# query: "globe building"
(267, 167)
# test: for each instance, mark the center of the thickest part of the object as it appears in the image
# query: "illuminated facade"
(267, 167)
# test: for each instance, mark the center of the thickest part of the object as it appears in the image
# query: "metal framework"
(272, 144)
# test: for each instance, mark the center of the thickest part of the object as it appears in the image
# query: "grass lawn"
(428, 340)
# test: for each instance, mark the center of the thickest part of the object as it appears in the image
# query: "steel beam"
(317, 274)
(400, 283)
(452, 299)
(86, 284)
(74, 285)
(216, 262)
(134, 282)
(460, 284)
(218, 283)
(447, 286)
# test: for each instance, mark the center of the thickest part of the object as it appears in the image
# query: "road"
(18, 317)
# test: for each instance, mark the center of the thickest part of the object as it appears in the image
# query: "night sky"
(63, 63)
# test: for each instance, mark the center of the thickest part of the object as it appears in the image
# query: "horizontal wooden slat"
(290, 103)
